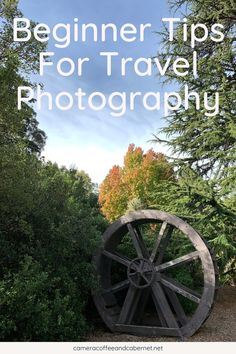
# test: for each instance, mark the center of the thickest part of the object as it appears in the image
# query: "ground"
(220, 326)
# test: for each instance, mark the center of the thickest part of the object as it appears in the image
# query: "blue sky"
(95, 141)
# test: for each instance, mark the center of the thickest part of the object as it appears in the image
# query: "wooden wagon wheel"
(148, 300)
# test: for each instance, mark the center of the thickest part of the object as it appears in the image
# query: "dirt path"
(220, 326)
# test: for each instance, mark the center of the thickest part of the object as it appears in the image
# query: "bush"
(49, 228)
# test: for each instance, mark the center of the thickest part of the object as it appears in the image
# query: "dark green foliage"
(204, 148)
(17, 60)
(49, 228)
(49, 216)
(35, 308)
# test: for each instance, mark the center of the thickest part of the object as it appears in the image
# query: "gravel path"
(220, 326)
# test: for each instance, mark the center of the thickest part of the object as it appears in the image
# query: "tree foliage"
(49, 228)
(204, 148)
(17, 61)
(132, 186)
(49, 216)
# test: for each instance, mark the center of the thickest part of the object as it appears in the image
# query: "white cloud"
(94, 160)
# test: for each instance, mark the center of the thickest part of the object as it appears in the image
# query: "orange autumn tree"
(134, 183)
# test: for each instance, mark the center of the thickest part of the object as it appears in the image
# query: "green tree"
(17, 61)
(205, 147)
(49, 216)
(49, 229)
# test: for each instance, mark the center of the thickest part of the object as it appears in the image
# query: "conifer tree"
(204, 148)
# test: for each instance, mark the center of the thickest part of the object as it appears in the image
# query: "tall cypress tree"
(204, 148)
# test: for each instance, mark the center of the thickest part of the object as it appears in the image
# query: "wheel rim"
(146, 278)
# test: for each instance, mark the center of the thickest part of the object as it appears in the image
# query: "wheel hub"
(141, 273)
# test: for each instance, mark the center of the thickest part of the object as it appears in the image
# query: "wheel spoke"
(149, 301)
(178, 309)
(159, 312)
(158, 241)
(145, 293)
(180, 289)
(145, 278)
(117, 257)
(144, 248)
(178, 261)
(162, 303)
(129, 306)
(164, 244)
(117, 287)
(138, 242)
